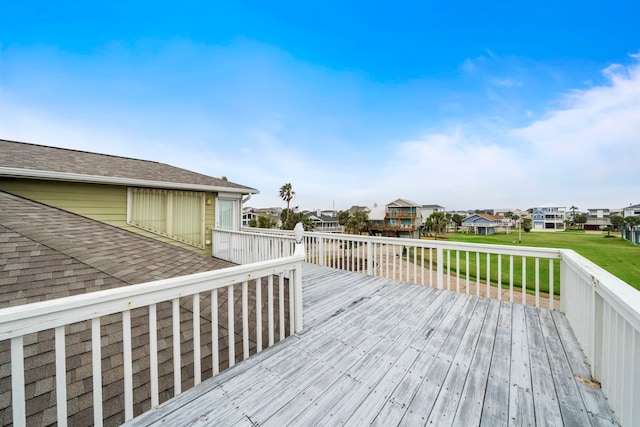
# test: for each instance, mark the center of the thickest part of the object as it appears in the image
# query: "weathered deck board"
(377, 351)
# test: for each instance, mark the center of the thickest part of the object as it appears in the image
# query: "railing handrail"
(39, 316)
(624, 298)
(484, 247)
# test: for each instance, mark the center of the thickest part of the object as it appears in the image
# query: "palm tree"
(286, 194)
(438, 223)
(573, 210)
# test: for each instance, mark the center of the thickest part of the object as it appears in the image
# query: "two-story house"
(548, 217)
(401, 220)
(597, 218)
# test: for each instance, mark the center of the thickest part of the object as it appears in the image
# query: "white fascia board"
(96, 179)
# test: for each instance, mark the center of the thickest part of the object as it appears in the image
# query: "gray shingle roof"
(26, 156)
(48, 253)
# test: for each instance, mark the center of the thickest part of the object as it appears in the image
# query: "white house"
(425, 211)
(633, 210)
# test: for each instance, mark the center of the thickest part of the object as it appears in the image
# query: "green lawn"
(615, 255)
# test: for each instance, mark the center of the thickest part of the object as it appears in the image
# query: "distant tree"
(357, 223)
(632, 221)
(526, 224)
(425, 229)
(224, 178)
(252, 222)
(617, 222)
(292, 218)
(265, 222)
(286, 194)
(438, 223)
(581, 219)
(343, 217)
(573, 210)
(457, 220)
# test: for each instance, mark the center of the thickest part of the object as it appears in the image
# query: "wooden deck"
(376, 351)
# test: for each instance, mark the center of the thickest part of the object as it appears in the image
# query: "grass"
(615, 255)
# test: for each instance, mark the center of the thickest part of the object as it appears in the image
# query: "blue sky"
(463, 104)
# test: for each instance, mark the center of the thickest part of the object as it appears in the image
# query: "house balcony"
(393, 227)
(380, 331)
(329, 228)
(401, 215)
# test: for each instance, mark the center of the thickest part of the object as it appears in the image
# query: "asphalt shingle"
(47, 253)
(52, 159)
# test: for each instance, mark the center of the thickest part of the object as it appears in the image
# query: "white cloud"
(595, 136)
(586, 153)
(313, 133)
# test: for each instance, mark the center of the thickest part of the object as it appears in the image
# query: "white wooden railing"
(603, 311)
(525, 275)
(242, 247)
(61, 314)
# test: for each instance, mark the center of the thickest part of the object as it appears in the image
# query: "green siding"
(104, 203)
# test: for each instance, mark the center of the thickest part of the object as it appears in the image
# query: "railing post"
(440, 268)
(598, 330)
(297, 277)
(254, 249)
(321, 255)
(370, 258)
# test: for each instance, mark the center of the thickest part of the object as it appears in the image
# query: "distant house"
(171, 204)
(400, 220)
(482, 223)
(425, 211)
(253, 213)
(633, 210)
(355, 208)
(376, 218)
(548, 217)
(597, 219)
(248, 214)
(325, 221)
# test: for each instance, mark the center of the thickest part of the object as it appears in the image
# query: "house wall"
(104, 203)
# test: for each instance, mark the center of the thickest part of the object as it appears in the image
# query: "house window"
(178, 215)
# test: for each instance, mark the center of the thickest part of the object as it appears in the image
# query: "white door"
(226, 219)
(227, 214)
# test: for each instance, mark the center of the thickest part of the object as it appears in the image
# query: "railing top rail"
(287, 234)
(29, 318)
(623, 297)
(529, 251)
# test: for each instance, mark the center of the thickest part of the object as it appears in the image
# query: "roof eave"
(96, 179)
